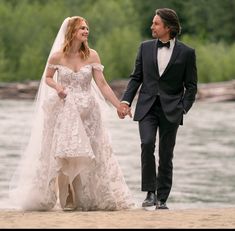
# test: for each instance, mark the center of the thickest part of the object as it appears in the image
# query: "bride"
(69, 158)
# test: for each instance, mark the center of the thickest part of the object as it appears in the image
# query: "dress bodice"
(78, 81)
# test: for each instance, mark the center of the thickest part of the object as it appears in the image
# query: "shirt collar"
(172, 42)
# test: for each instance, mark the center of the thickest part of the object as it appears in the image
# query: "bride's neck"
(74, 49)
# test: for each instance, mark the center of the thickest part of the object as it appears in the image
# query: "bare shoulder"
(94, 56)
(55, 58)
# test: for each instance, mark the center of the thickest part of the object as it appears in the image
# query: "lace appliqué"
(76, 145)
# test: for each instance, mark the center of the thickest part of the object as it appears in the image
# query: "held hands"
(60, 91)
(123, 110)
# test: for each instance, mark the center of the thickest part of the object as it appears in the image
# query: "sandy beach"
(138, 218)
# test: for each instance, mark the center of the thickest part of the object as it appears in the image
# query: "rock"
(119, 87)
(25, 90)
(218, 91)
(214, 92)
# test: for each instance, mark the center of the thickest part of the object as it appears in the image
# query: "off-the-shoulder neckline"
(89, 64)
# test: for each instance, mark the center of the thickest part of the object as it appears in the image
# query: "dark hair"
(170, 19)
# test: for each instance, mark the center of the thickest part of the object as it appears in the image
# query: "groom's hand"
(123, 110)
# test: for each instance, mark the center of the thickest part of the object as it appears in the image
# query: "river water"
(204, 157)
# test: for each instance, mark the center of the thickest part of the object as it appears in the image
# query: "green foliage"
(212, 20)
(118, 50)
(215, 61)
(28, 29)
(146, 10)
(3, 67)
(106, 16)
(115, 37)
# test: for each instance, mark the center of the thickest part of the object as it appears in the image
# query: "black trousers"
(161, 182)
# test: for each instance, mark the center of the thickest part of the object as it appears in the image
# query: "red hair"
(70, 34)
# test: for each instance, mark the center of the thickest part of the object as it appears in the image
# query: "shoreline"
(212, 92)
(137, 218)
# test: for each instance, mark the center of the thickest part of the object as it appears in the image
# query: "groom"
(165, 68)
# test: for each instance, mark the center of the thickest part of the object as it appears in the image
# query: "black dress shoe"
(161, 205)
(150, 199)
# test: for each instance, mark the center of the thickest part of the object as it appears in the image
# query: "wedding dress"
(69, 158)
(76, 165)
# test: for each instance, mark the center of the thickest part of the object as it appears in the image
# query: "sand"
(138, 218)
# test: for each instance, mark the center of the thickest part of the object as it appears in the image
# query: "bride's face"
(82, 32)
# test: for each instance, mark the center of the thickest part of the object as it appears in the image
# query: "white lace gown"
(77, 166)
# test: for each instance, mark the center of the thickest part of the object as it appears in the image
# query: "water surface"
(204, 157)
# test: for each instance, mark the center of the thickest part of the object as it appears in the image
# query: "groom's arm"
(136, 79)
(190, 81)
(132, 87)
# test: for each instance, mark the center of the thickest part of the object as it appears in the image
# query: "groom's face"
(159, 30)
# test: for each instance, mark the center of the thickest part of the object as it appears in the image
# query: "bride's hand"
(60, 91)
(124, 110)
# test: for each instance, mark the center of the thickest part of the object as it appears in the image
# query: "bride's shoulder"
(93, 53)
(55, 57)
(94, 56)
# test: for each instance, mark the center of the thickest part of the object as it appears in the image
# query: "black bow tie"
(161, 44)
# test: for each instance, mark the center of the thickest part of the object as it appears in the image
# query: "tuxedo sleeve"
(136, 79)
(190, 81)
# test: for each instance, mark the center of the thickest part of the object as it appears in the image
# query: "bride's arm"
(105, 89)
(102, 84)
(50, 71)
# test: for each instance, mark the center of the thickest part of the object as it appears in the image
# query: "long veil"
(21, 182)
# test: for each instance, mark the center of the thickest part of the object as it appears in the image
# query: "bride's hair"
(70, 33)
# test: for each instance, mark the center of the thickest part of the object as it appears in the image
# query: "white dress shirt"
(163, 58)
(164, 55)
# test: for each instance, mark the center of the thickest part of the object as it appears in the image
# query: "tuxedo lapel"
(155, 49)
(174, 55)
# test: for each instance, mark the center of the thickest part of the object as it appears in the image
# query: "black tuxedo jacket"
(177, 86)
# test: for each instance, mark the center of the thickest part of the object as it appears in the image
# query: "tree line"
(28, 29)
